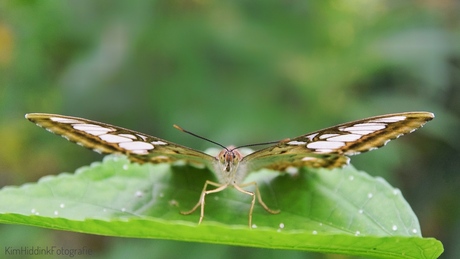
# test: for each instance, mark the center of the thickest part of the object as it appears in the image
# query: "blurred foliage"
(237, 72)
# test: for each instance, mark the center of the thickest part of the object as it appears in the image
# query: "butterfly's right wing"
(108, 139)
(330, 147)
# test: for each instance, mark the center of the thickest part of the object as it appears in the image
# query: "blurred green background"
(237, 72)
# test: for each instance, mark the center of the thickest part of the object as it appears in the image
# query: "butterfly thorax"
(228, 161)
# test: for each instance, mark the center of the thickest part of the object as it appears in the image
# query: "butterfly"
(326, 148)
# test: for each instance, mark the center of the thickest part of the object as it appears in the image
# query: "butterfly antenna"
(200, 137)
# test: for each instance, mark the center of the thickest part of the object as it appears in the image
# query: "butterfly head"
(229, 159)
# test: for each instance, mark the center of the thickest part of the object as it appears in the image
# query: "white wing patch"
(160, 143)
(345, 138)
(296, 143)
(92, 129)
(325, 146)
(137, 147)
(363, 128)
(65, 120)
(114, 138)
(389, 119)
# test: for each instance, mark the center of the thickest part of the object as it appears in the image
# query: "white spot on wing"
(134, 145)
(346, 138)
(92, 129)
(65, 120)
(369, 124)
(114, 138)
(159, 143)
(325, 145)
(389, 119)
(137, 147)
(364, 128)
(296, 143)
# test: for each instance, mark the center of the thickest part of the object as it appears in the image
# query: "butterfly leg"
(253, 195)
(201, 201)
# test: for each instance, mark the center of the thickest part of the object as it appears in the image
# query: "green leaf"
(330, 211)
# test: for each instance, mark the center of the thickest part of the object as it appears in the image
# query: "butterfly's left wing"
(105, 138)
(331, 147)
